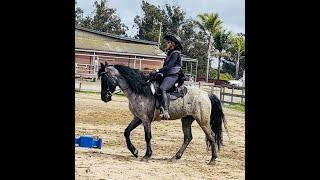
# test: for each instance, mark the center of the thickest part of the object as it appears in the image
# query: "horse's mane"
(135, 79)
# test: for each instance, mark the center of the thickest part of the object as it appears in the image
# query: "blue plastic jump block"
(88, 142)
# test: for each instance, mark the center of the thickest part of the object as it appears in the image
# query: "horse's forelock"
(113, 71)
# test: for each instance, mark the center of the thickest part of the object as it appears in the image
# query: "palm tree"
(221, 43)
(210, 24)
(239, 45)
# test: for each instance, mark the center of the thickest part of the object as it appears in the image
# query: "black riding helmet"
(174, 38)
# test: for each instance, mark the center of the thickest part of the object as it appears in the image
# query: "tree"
(149, 24)
(87, 22)
(171, 17)
(229, 66)
(106, 20)
(195, 45)
(221, 44)
(175, 17)
(210, 24)
(194, 35)
(223, 76)
(78, 14)
(239, 46)
(194, 41)
(235, 62)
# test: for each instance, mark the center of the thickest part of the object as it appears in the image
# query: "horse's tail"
(216, 120)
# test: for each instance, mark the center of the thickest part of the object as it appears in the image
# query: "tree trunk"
(237, 65)
(219, 61)
(208, 63)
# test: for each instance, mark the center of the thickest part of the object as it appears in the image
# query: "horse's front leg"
(134, 123)
(147, 131)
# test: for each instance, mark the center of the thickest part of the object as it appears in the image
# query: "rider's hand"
(153, 73)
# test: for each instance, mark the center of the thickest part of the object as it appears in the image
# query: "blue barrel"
(88, 141)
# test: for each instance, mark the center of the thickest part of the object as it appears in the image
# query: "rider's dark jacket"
(172, 63)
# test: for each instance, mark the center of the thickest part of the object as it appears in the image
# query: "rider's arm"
(171, 63)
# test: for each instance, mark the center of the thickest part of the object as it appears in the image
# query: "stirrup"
(164, 114)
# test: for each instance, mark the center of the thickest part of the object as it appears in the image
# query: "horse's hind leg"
(203, 119)
(134, 123)
(210, 136)
(186, 127)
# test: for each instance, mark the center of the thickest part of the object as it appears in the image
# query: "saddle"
(178, 90)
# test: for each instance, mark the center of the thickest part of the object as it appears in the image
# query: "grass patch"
(88, 92)
(239, 107)
(120, 94)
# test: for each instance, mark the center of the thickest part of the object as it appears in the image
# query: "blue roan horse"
(195, 105)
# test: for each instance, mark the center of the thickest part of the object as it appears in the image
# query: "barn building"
(95, 47)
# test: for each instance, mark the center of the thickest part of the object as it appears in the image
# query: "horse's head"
(108, 82)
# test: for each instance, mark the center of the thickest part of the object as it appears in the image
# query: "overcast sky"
(232, 12)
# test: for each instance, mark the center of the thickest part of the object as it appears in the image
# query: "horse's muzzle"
(106, 96)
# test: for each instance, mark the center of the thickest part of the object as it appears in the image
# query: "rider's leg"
(167, 83)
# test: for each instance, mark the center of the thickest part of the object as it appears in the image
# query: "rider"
(170, 70)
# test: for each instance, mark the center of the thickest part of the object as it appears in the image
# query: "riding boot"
(165, 104)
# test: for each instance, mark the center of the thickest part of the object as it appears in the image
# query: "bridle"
(108, 76)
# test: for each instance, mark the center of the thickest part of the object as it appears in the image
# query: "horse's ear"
(102, 66)
(102, 69)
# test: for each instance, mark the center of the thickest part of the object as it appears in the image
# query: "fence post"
(223, 94)
(232, 95)
(199, 84)
(220, 93)
(242, 96)
(80, 83)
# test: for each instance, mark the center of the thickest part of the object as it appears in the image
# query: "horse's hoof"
(135, 153)
(144, 159)
(212, 162)
(173, 159)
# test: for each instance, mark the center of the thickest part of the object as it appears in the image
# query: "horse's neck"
(124, 86)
